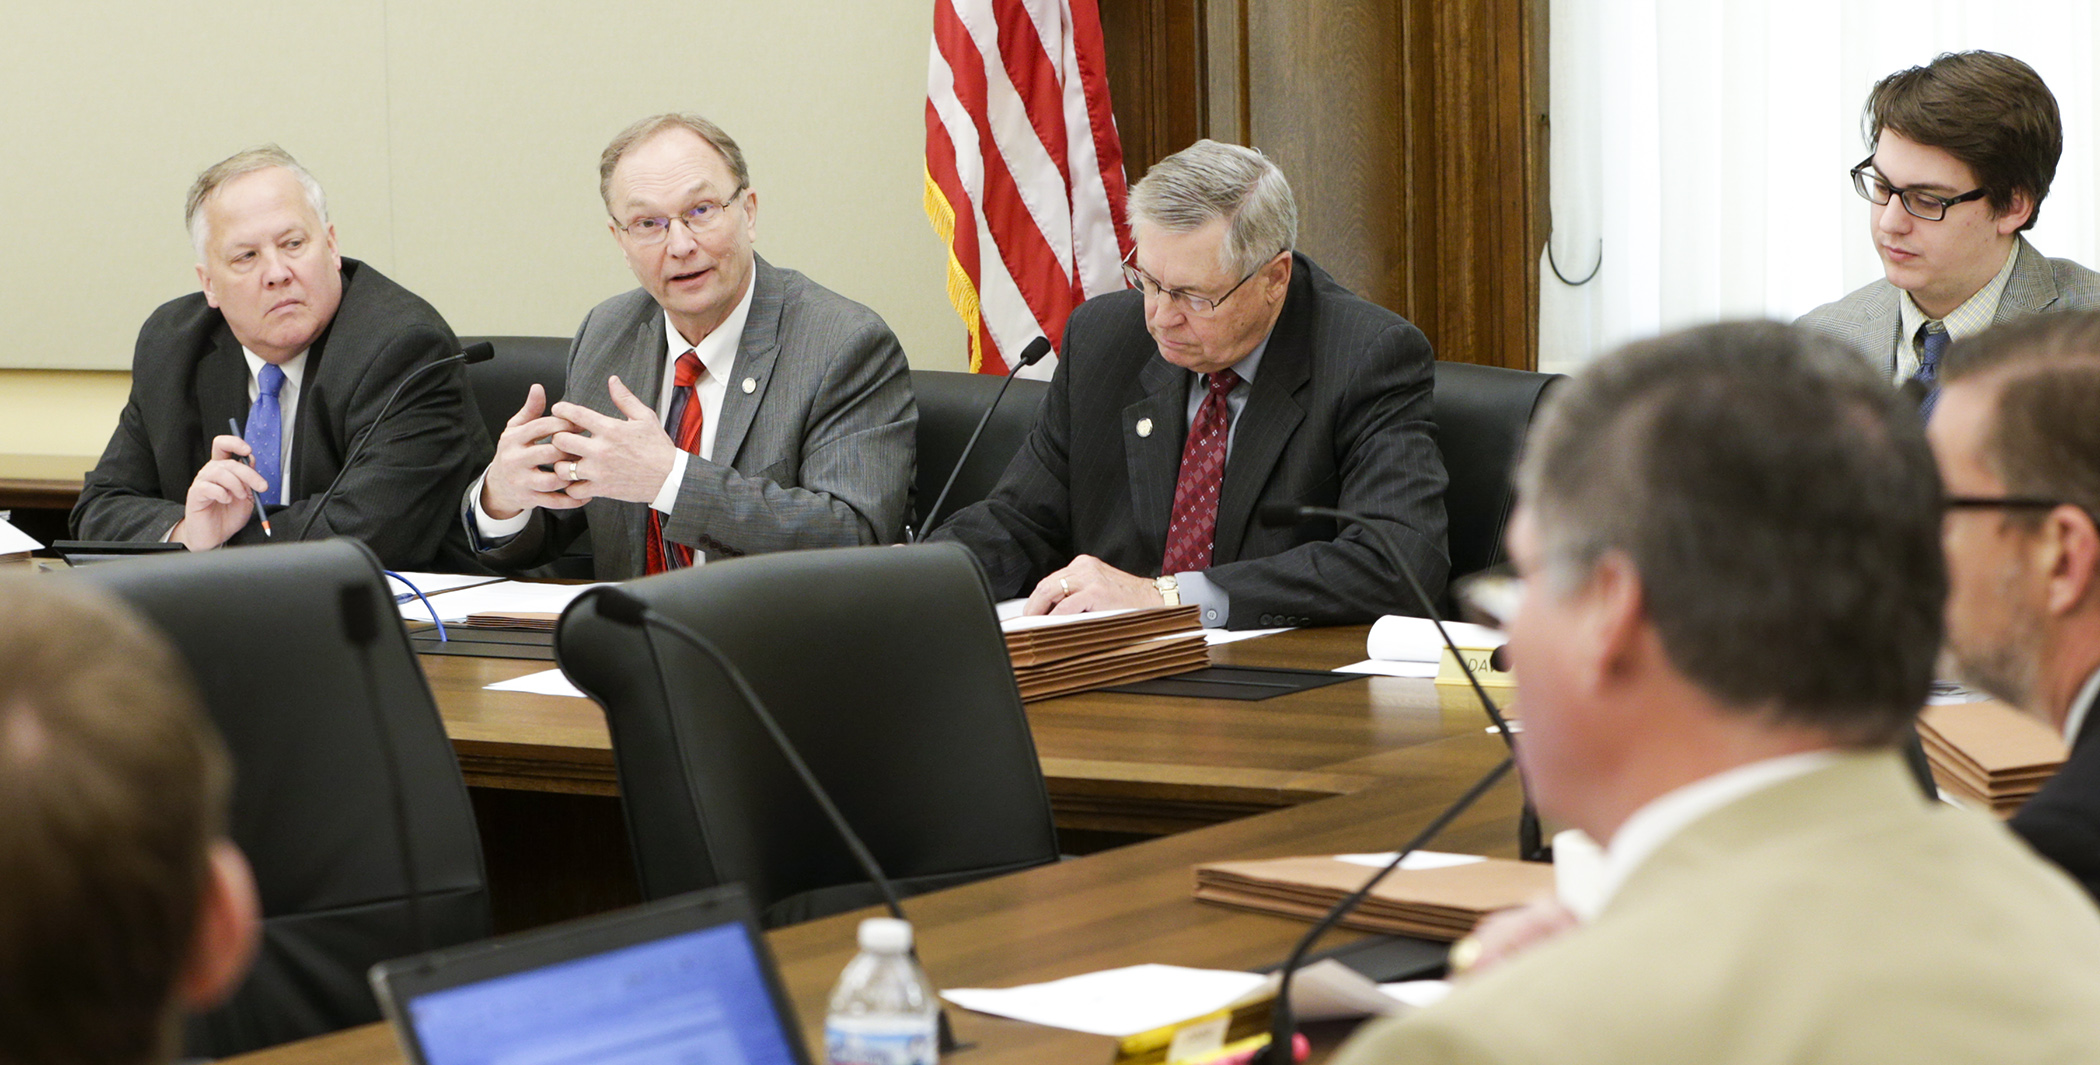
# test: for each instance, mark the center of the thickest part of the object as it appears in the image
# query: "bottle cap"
(885, 935)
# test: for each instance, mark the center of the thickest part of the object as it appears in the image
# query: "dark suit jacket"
(2062, 821)
(188, 377)
(1338, 416)
(816, 453)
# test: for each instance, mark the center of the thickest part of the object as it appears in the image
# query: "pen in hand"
(234, 427)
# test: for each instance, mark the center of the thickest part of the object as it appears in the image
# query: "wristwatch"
(1169, 589)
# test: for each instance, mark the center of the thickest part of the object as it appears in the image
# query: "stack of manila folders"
(1066, 653)
(1987, 755)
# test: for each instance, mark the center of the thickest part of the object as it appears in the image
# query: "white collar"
(717, 350)
(2075, 720)
(294, 368)
(1587, 876)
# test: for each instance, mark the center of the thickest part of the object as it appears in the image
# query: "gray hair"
(1781, 506)
(2044, 440)
(233, 166)
(649, 127)
(1209, 180)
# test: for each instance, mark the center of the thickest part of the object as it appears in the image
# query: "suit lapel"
(222, 389)
(2032, 287)
(1154, 453)
(755, 353)
(1272, 414)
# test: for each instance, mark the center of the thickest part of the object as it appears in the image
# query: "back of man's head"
(2044, 441)
(1991, 112)
(113, 789)
(1780, 506)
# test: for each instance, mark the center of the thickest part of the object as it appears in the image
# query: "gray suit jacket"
(1338, 416)
(1869, 319)
(188, 377)
(817, 453)
(1830, 919)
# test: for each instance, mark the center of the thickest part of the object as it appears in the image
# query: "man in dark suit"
(302, 347)
(1964, 150)
(787, 421)
(1236, 374)
(2019, 449)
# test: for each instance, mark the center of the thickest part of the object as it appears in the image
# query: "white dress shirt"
(287, 407)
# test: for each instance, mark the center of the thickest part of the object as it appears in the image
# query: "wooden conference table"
(1146, 765)
(1119, 907)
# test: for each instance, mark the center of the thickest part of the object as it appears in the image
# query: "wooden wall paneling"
(1157, 70)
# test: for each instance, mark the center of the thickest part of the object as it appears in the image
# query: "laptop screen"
(693, 996)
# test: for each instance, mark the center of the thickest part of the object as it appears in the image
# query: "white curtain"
(1701, 147)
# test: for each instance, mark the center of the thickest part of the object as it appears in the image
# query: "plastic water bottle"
(883, 1012)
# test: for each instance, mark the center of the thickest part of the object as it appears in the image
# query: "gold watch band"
(1169, 589)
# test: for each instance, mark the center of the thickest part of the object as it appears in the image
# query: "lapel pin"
(750, 385)
(1144, 427)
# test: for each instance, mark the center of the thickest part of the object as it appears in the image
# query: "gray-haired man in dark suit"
(1236, 373)
(726, 407)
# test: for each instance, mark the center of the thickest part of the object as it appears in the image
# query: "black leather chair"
(1482, 416)
(500, 385)
(949, 405)
(313, 806)
(886, 668)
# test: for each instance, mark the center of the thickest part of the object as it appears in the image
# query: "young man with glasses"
(726, 407)
(1964, 151)
(2019, 450)
(1232, 374)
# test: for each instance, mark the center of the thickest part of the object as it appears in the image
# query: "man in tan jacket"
(1730, 539)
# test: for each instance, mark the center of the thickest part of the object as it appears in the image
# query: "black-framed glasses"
(2001, 503)
(1919, 204)
(698, 219)
(1187, 302)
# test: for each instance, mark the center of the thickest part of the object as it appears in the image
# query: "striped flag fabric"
(1024, 172)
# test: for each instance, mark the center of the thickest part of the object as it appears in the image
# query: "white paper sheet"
(1214, 637)
(433, 583)
(14, 541)
(1418, 993)
(1403, 639)
(545, 682)
(1415, 670)
(1051, 621)
(502, 595)
(1417, 860)
(1115, 1002)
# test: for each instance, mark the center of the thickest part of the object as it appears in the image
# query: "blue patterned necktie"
(1932, 344)
(265, 432)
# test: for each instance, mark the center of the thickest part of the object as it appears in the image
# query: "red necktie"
(683, 423)
(1195, 521)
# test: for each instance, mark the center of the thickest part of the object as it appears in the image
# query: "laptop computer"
(687, 978)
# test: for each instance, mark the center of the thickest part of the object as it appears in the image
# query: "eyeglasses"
(1923, 205)
(2000, 503)
(1186, 302)
(698, 219)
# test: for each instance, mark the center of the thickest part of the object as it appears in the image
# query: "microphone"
(1030, 355)
(474, 353)
(361, 625)
(1282, 1024)
(622, 607)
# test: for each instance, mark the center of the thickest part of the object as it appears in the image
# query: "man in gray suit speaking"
(727, 407)
(1234, 373)
(1964, 151)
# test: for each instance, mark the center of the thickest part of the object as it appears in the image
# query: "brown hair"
(655, 124)
(2044, 439)
(1990, 111)
(112, 787)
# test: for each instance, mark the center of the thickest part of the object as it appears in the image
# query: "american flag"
(1024, 173)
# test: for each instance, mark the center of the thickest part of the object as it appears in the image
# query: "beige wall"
(458, 141)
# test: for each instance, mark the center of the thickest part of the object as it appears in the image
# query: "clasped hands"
(565, 457)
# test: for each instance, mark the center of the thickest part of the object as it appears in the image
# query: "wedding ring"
(1064, 586)
(572, 471)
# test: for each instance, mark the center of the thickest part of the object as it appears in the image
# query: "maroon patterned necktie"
(684, 423)
(1195, 521)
